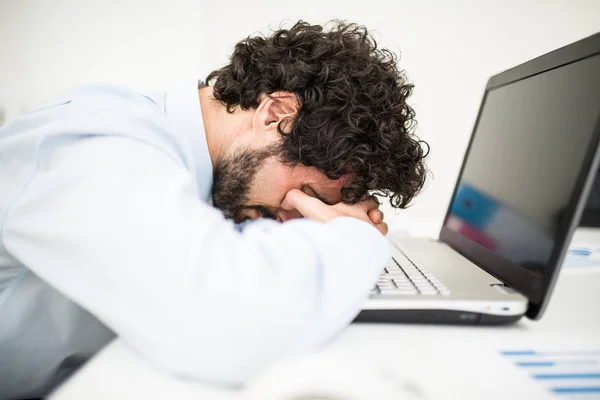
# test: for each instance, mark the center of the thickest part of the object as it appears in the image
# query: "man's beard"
(235, 175)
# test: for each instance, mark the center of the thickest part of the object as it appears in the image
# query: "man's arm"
(116, 225)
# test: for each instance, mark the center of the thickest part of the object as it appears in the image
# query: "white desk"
(440, 362)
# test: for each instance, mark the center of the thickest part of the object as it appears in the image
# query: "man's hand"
(315, 209)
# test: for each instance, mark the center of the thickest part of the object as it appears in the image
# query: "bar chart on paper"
(584, 250)
(568, 374)
(582, 257)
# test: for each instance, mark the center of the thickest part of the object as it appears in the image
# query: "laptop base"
(448, 317)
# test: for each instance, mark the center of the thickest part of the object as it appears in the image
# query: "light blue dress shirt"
(106, 226)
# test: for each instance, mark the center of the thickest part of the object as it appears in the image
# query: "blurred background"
(448, 48)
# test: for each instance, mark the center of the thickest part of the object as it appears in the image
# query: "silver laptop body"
(522, 188)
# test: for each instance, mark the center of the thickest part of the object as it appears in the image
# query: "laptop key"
(402, 277)
(406, 292)
(390, 291)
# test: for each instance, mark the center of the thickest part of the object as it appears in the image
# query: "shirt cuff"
(368, 245)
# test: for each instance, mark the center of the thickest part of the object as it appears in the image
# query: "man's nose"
(286, 215)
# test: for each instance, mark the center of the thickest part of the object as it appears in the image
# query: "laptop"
(521, 190)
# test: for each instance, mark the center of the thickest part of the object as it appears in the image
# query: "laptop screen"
(525, 157)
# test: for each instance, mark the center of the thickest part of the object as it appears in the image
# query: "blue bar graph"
(566, 373)
(567, 376)
(535, 364)
(573, 390)
(554, 363)
(518, 353)
(549, 353)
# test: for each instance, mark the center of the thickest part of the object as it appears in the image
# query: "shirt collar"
(182, 107)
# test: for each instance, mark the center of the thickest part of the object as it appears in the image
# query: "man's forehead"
(314, 175)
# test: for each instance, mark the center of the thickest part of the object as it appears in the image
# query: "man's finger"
(306, 205)
(369, 204)
(376, 216)
(291, 199)
(383, 228)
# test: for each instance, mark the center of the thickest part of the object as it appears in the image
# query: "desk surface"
(424, 362)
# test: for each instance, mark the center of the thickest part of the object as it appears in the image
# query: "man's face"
(252, 183)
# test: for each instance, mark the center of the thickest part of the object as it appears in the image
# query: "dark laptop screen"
(526, 155)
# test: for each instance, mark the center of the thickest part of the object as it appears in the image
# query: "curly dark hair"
(353, 116)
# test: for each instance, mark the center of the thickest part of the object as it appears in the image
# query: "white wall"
(449, 49)
(48, 46)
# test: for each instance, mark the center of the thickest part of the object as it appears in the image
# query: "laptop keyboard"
(403, 277)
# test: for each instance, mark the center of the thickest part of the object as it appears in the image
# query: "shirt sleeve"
(116, 225)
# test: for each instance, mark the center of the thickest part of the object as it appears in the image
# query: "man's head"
(321, 111)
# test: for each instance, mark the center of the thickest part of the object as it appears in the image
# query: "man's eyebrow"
(318, 196)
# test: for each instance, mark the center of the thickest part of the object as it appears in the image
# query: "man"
(106, 222)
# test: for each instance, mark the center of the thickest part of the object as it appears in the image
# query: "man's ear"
(275, 108)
